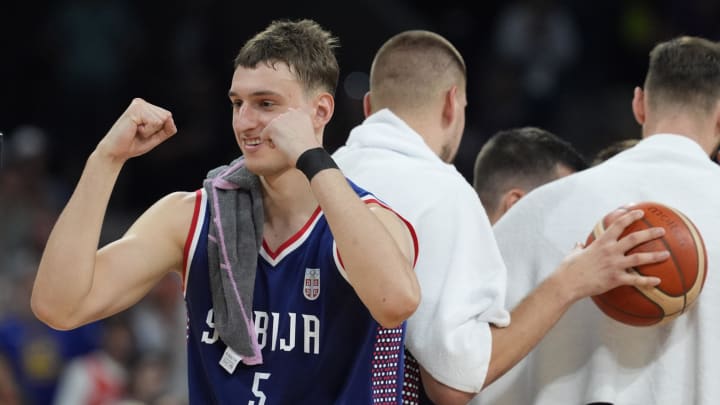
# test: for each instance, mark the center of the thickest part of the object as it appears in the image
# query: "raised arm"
(376, 247)
(76, 283)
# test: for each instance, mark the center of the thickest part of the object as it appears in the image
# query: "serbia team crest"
(311, 289)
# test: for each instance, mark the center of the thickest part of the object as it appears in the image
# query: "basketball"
(682, 275)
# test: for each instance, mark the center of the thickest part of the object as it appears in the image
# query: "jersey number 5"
(256, 388)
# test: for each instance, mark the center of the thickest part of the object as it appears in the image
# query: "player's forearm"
(65, 273)
(377, 269)
(531, 320)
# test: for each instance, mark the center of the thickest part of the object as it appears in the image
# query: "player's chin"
(264, 167)
(255, 165)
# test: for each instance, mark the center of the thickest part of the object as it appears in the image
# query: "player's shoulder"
(180, 200)
(175, 211)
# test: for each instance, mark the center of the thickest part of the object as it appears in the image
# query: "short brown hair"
(524, 157)
(684, 71)
(303, 45)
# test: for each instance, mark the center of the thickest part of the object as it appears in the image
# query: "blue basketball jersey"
(319, 343)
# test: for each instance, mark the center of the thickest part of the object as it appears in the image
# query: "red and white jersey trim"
(369, 199)
(291, 244)
(193, 234)
(274, 257)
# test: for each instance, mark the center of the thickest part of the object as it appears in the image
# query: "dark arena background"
(69, 68)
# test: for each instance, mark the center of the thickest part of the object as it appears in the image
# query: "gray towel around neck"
(234, 240)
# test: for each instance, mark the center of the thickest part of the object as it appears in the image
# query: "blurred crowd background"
(68, 69)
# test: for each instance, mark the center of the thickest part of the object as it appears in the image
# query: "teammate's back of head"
(515, 161)
(684, 73)
(412, 69)
(421, 77)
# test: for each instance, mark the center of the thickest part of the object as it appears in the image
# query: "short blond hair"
(412, 67)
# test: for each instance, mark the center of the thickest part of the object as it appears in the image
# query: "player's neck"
(288, 203)
(699, 130)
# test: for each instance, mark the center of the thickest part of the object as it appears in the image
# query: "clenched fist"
(292, 133)
(138, 130)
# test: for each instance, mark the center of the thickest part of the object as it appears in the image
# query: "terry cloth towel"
(235, 238)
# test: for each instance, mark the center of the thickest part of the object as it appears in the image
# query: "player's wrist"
(101, 157)
(564, 285)
(313, 161)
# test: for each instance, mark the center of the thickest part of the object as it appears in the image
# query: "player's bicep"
(400, 230)
(126, 269)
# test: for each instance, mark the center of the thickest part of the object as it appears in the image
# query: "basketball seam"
(634, 315)
(700, 250)
(676, 267)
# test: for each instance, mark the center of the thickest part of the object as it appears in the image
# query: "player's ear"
(324, 108)
(511, 197)
(508, 199)
(367, 106)
(449, 105)
(717, 122)
(638, 105)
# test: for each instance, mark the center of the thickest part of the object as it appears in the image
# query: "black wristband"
(314, 160)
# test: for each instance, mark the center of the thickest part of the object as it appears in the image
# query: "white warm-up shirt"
(588, 357)
(459, 267)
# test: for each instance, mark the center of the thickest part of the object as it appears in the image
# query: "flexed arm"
(76, 284)
(376, 247)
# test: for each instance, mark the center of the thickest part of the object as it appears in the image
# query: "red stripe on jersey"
(407, 223)
(295, 237)
(191, 234)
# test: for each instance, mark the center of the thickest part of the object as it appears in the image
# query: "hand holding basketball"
(682, 275)
(601, 266)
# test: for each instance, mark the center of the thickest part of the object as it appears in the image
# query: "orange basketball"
(682, 275)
